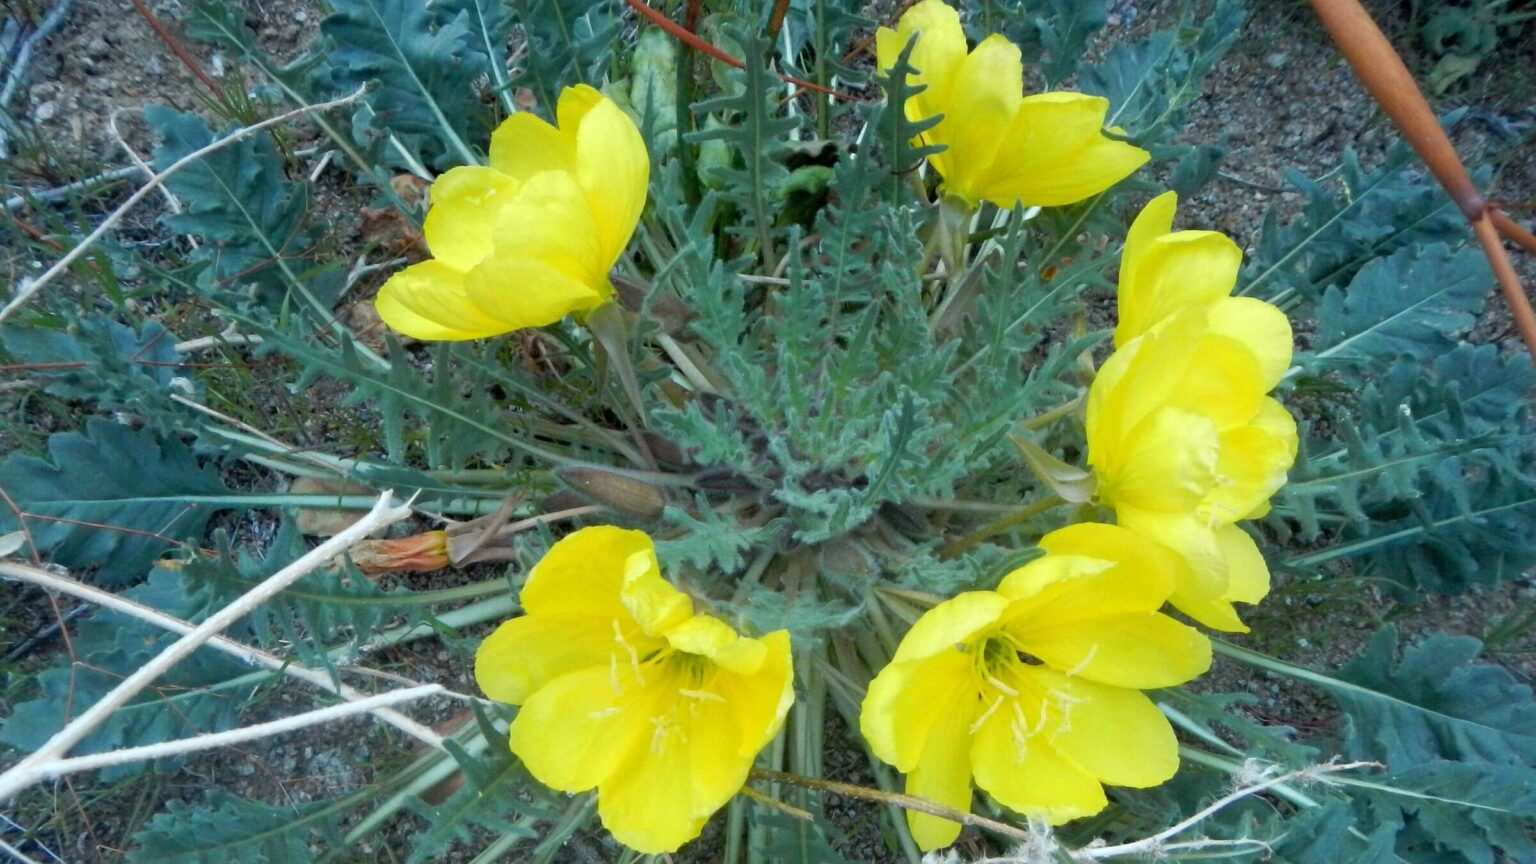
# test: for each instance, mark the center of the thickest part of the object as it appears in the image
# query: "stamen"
(634, 656)
(1087, 658)
(701, 695)
(613, 674)
(606, 712)
(1001, 686)
(987, 714)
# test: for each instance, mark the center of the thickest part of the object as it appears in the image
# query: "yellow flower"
(625, 688)
(530, 238)
(1181, 437)
(1033, 690)
(1047, 149)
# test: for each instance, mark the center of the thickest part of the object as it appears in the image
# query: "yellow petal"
(1152, 568)
(583, 574)
(1154, 220)
(1183, 270)
(899, 713)
(951, 622)
(430, 301)
(983, 97)
(1168, 462)
(943, 773)
(1142, 650)
(1115, 734)
(1055, 153)
(651, 600)
(466, 202)
(1015, 763)
(527, 653)
(551, 220)
(613, 168)
(1262, 328)
(1179, 364)
(762, 699)
(688, 766)
(1205, 575)
(527, 292)
(939, 51)
(524, 145)
(707, 636)
(580, 729)
(1249, 575)
(1252, 466)
(1098, 618)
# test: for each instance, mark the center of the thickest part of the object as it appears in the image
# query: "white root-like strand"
(240, 651)
(1158, 843)
(25, 773)
(214, 740)
(26, 291)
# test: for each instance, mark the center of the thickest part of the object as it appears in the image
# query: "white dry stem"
(1159, 843)
(26, 292)
(242, 652)
(230, 335)
(1043, 848)
(28, 771)
(139, 162)
(215, 740)
(312, 458)
(16, 853)
(44, 196)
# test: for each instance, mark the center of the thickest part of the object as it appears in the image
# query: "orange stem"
(1509, 284)
(175, 45)
(776, 20)
(1384, 75)
(1512, 230)
(690, 39)
(1382, 72)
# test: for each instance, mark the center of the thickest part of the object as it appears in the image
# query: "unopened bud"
(625, 494)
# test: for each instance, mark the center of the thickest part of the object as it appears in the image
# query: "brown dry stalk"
(1384, 75)
(177, 48)
(1512, 231)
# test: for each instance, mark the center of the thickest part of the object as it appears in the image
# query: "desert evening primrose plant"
(792, 404)
(1032, 689)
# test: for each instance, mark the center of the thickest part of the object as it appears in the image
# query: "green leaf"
(233, 830)
(1346, 222)
(569, 42)
(1412, 303)
(253, 220)
(111, 500)
(1459, 735)
(1149, 83)
(499, 796)
(102, 363)
(423, 69)
(1436, 703)
(314, 615)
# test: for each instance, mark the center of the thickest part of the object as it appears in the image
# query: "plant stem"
(1023, 514)
(906, 802)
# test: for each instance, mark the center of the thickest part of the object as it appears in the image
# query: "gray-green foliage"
(842, 415)
(1458, 739)
(258, 236)
(110, 500)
